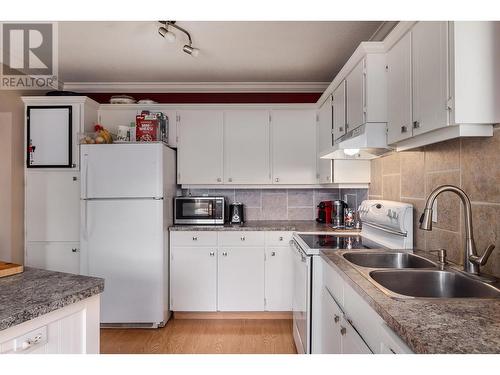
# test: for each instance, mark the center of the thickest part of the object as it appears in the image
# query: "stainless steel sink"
(388, 260)
(433, 284)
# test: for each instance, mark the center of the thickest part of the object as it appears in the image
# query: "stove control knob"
(389, 213)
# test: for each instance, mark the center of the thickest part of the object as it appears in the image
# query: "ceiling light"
(170, 36)
(191, 51)
(164, 32)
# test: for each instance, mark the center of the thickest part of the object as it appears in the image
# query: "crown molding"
(186, 87)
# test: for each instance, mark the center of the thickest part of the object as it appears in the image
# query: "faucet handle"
(481, 260)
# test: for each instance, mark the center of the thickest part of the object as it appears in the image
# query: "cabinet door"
(246, 147)
(193, 279)
(241, 279)
(399, 88)
(52, 206)
(294, 147)
(352, 343)
(331, 338)
(200, 146)
(355, 97)
(325, 140)
(339, 111)
(54, 256)
(429, 58)
(279, 279)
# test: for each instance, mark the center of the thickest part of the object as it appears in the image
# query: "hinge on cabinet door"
(449, 104)
(270, 118)
(179, 176)
(317, 176)
(317, 117)
(265, 257)
(265, 301)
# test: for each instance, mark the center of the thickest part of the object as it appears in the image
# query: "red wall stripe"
(206, 97)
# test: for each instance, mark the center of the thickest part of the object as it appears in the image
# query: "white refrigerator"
(127, 195)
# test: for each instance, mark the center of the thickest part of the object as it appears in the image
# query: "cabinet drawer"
(195, 238)
(390, 343)
(278, 238)
(242, 238)
(333, 282)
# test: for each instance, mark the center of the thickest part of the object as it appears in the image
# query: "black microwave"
(199, 210)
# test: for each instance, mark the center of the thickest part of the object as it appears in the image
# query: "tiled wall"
(470, 163)
(283, 204)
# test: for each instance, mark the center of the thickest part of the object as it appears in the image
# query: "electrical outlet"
(435, 212)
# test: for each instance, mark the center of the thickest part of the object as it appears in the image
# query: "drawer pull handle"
(195, 238)
(224, 254)
(273, 254)
(243, 238)
(212, 253)
(343, 331)
(31, 341)
(404, 129)
(74, 250)
(336, 318)
(281, 238)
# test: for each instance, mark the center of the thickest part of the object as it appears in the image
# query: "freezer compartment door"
(122, 171)
(122, 242)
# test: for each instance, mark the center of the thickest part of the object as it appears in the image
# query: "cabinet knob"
(195, 238)
(243, 238)
(276, 179)
(416, 124)
(224, 254)
(336, 318)
(404, 129)
(273, 254)
(343, 331)
(74, 250)
(341, 129)
(230, 179)
(219, 179)
(212, 253)
(75, 178)
(281, 238)
(73, 165)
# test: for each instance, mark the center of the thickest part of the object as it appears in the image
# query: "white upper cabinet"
(246, 147)
(200, 147)
(429, 59)
(339, 111)
(355, 96)
(399, 91)
(325, 140)
(293, 137)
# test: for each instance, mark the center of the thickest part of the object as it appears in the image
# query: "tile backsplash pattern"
(283, 204)
(473, 164)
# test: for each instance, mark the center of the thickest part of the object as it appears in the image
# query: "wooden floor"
(207, 336)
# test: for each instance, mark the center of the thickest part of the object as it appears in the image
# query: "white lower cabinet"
(348, 324)
(73, 329)
(193, 278)
(240, 282)
(230, 271)
(54, 256)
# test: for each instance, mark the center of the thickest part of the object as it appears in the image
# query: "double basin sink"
(404, 274)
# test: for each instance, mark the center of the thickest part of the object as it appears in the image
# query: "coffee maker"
(324, 212)
(338, 212)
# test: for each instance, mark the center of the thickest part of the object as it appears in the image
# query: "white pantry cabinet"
(293, 144)
(193, 278)
(54, 256)
(52, 206)
(73, 329)
(325, 140)
(339, 111)
(399, 91)
(246, 147)
(200, 147)
(240, 282)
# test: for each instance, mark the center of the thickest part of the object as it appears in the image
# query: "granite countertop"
(36, 292)
(426, 325)
(264, 225)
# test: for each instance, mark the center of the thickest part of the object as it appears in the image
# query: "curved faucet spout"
(471, 259)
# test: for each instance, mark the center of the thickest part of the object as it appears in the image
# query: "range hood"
(367, 141)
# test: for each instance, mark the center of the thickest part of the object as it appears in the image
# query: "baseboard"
(233, 315)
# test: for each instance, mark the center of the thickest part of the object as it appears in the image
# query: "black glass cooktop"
(344, 242)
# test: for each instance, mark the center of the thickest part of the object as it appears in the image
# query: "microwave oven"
(199, 210)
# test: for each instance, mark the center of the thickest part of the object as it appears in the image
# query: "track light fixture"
(170, 36)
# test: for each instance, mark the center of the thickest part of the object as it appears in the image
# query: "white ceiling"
(229, 51)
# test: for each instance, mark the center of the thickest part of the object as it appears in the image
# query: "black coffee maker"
(338, 212)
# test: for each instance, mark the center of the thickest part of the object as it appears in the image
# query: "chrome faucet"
(471, 260)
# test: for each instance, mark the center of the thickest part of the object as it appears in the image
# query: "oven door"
(301, 305)
(196, 210)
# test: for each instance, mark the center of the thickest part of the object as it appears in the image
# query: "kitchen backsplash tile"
(470, 163)
(283, 204)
